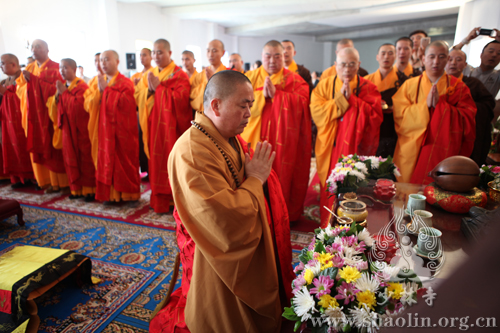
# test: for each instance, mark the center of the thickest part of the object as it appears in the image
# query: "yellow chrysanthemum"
(308, 276)
(350, 274)
(368, 298)
(324, 258)
(327, 265)
(326, 300)
(395, 290)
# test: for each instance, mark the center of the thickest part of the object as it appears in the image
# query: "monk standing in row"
(73, 121)
(16, 159)
(34, 88)
(434, 115)
(114, 133)
(188, 61)
(332, 71)
(281, 116)
(146, 62)
(404, 50)
(236, 63)
(162, 98)
(215, 51)
(388, 79)
(348, 112)
(290, 64)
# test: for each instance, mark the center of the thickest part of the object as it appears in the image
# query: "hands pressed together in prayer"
(101, 82)
(433, 97)
(3, 88)
(61, 88)
(136, 80)
(261, 163)
(269, 88)
(346, 90)
(209, 72)
(27, 75)
(153, 82)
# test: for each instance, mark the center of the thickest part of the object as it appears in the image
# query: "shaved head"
(9, 58)
(223, 84)
(41, 43)
(274, 43)
(40, 50)
(164, 43)
(435, 59)
(188, 53)
(148, 51)
(70, 62)
(112, 53)
(217, 43)
(343, 43)
(460, 52)
(347, 63)
(215, 51)
(438, 44)
(349, 51)
(109, 62)
(9, 64)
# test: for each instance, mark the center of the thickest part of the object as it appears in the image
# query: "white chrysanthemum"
(303, 304)
(315, 268)
(392, 271)
(335, 317)
(374, 162)
(364, 236)
(358, 175)
(364, 318)
(367, 282)
(361, 167)
(321, 235)
(350, 256)
(396, 172)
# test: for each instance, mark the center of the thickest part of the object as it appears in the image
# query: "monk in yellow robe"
(114, 134)
(162, 98)
(34, 88)
(388, 79)
(146, 62)
(215, 51)
(72, 122)
(188, 61)
(332, 71)
(236, 63)
(238, 276)
(281, 116)
(347, 110)
(404, 50)
(434, 116)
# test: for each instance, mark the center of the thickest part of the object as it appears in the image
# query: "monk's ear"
(215, 104)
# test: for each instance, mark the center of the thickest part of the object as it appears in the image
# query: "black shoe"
(38, 188)
(73, 197)
(89, 198)
(17, 185)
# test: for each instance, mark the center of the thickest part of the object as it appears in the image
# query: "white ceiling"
(320, 18)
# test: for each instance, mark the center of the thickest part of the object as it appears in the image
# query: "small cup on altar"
(415, 202)
(429, 240)
(422, 216)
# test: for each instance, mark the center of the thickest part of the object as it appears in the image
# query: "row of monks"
(65, 133)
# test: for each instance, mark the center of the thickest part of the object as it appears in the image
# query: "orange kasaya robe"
(39, 125)
(191, 78)
(114, 135)
(74, 140)
(387, 88)
(426, 136)
(285, 122)
(163, 117)
(198, 84)
(16, 159)
(234, 241)
(140, 75)
(344, 126)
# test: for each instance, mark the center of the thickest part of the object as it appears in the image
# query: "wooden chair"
(9, 208)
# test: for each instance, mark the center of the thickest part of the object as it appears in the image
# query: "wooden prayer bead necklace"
(228, 162)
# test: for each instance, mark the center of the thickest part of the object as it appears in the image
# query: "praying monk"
(34, 88)
(290, 64)
(16, 159)
(113, 132)
(434, 116)
(485, 103)
(215, 51)
(332, 71)
(73, 121)
(388, 79)
(281, 116)
(348, 112)
(235, 63)
(162, 97)
(404, 50)
(232, 228)
(188, 64)
(146, 62)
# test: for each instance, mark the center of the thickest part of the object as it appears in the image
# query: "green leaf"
(347, 328)
(297, 325)
(330, 271)
(290, 314)
(320, 248)
(305, 255)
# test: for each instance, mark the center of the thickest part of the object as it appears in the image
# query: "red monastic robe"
(285, 122)
(16, 159)
(351, 128)
(171, 317)
(118, 152)
(426, 136)
(166, 120)
(73, 120)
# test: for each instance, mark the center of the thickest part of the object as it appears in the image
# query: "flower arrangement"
(353, 171)
(338, 290)
(487, 173)
(349, 174)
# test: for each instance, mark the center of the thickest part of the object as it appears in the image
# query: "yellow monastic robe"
(145, 104)
(332, 71)
(385, 83)
(234, 286)
(198, 84)
(192, 76)
(43, 175)
(408, 70)
(140, 75)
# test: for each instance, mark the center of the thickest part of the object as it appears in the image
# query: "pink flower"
(361, 247)
(496, 169)
(337, 262)
(346, 292)
(361, 266)
(323, 285)
(298, 283)
(334, 248)
(299, 267)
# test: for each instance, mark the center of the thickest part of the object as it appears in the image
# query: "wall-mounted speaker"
(131, 61)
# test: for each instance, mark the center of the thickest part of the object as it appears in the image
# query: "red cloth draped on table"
(16, 159)
(171, 317)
